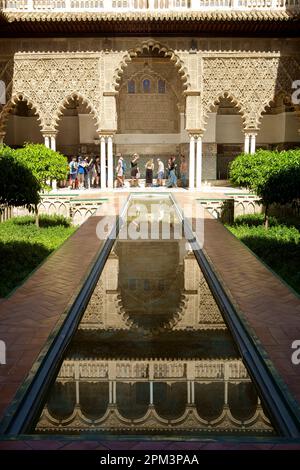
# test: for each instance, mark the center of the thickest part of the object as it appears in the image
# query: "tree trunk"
(36, 211)
(266, 219)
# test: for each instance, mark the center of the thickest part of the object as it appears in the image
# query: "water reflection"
(152, 354)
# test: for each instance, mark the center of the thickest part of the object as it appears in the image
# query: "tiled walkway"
(269, 307)
(28, 317)
(271, 310)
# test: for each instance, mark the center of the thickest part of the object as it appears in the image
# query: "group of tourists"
(85, 172)
(170, 174)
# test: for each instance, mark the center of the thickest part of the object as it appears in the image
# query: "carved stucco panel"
(251, 83)
(49, 81)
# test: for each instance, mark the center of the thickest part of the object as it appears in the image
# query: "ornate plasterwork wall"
(208, 70)
(251, 82)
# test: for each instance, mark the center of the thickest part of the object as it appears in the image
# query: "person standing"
(73, 172)
(183, 171)
(98, 171)
(81, 172)
(134, 169)
(172, 181)
(119, 173)
(149, 172)
(160, 172)
(124, 167)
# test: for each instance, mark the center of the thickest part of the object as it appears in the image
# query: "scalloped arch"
(147, 46)
(153, 73)
(12, 103)
(227, 95)
(267, 103)
(57, 116)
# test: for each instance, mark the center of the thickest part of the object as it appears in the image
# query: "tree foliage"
(274, 176)
(45, 164)
(18, 186)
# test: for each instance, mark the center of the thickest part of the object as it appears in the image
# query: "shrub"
(273, 176)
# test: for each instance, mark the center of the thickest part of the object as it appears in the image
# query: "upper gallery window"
(146, 85)
(131, 86)
(161, 86)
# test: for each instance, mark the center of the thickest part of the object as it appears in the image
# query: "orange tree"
(18, 186)
(44, 163)
(274, 176)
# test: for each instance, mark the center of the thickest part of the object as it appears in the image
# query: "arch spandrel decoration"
(252, 81)
(48, 79)
(15, 99)
(177, 58)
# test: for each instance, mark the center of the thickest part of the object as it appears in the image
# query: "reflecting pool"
(152, 354)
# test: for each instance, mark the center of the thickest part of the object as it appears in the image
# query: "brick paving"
(270, 309)
(32, 312)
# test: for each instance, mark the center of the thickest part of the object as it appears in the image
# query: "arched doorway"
(279, 125)
(223, 139)
(21, 125)
(76, 128)
(150, 109)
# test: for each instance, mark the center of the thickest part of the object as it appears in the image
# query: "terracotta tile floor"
(31, 313)
(270, 309)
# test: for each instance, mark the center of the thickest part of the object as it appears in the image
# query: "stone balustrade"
(65, 6)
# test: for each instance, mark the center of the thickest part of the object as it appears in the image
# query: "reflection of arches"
(94, 398)
(61, 399)
(170, 399)
(156, 47)
(133, 399)
(242, 400)
(209, 400)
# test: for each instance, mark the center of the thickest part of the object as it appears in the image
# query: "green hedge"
(23, 246)
(278, 247)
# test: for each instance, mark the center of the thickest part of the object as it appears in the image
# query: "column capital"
(251, 131)
(49, 133)
(107, 133)
(195, 133)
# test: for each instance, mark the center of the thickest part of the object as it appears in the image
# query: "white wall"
(272, 129)
(210, 132)
(220, 129)
(229, 129)
(87, 129)
(68, 131)
(22, 129)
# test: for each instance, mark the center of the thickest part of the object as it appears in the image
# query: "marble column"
(103, 162)
(253, 143)
(110, 163)
(199, 162)
(192, 163)
(247, 143)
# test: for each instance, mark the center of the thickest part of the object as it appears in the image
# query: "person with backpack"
(73, 167)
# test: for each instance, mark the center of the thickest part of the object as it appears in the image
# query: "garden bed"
(23, 246)
(278, 247)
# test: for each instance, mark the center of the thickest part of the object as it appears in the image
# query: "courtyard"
(150, 226)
